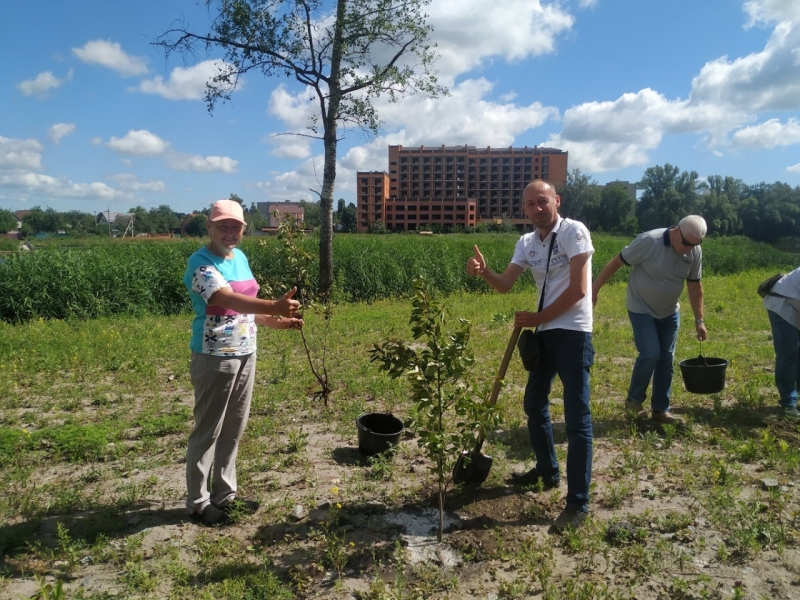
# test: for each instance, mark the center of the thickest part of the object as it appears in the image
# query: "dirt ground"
(380, 521)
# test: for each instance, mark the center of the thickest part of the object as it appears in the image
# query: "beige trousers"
(223, 388)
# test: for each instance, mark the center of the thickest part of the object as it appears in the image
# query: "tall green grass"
(136, 278)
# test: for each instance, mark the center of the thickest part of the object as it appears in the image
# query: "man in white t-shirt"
(565, 324)
(783, 308)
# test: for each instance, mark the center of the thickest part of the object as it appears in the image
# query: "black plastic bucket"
(377, 432)
(704, 375)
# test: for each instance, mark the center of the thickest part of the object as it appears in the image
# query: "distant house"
(284, 208)
(20, 216)
(106, 217)
(116, 221)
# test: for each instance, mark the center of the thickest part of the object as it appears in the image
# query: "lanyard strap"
(547, 269)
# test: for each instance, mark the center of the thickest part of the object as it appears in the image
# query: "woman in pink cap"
(227, 312)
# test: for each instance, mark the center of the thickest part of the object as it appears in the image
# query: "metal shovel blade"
(471, 468)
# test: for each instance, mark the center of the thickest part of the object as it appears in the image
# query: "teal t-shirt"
(217, 330)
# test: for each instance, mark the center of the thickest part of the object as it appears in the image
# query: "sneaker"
(240, 507)
(637, 409)
(791, 411)
(666, 417)
(211, 515)
(533, 478)
(570, 517)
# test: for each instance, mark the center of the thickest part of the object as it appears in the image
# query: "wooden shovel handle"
(498, 381)
(512, 344)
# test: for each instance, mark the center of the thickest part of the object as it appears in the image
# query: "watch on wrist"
(698, 321)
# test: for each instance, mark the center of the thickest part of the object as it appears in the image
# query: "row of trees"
(764, 212)
(160, 220)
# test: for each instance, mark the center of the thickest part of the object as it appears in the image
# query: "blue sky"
(94, 117)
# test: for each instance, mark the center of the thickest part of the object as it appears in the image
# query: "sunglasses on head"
(684, 242)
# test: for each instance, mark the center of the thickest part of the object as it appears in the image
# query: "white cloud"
(139, 142)
(111, 55)
(464, 117)
(296, 112)
(766, 80)
(208, 164)
(290, 146)
(471, 31)
(129, 181)
(45, 185)
(768, 134)
(602, 136)
(794, 168)
(60, 130)
(587, 3)
(297, 184)
(772, 11)
(20, 154)
(188, 83)
(96, 141)
(42, 83)
(597, 157)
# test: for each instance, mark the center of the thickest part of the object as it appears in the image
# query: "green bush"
(147, 277)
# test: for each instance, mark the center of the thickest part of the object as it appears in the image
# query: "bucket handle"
(705, 362)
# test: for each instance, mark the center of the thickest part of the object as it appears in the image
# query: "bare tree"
(349, 52)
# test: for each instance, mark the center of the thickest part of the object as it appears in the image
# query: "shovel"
(472, 468)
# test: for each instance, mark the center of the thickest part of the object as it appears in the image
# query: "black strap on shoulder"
(547, 270)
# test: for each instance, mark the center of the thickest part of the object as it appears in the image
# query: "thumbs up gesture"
(286, 306)
(476, 263)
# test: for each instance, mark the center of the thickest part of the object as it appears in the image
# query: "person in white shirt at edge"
(565, 324)
(227, 312)
(662, 260)
(783, 309)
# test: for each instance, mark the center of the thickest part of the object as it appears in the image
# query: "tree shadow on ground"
(349, 456)
(83, 528)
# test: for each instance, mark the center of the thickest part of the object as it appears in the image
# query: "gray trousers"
(223, 388)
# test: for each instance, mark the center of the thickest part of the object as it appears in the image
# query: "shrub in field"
(441, 383)
(146, 277)
(95, 282)
(298, 261)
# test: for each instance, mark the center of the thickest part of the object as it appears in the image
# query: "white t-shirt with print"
(572, 239)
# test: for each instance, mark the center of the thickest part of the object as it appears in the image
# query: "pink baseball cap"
(227, 209)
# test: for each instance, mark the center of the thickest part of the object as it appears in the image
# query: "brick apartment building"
(453, 185)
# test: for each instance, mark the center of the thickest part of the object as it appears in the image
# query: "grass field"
(94, 417)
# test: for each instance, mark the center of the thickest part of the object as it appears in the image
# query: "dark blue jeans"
(568, 354)
(655, 340)
(786, 341)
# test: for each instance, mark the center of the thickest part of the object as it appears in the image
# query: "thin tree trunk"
(329, 172)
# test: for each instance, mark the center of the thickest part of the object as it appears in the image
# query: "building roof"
(465, 147)
(108, 215)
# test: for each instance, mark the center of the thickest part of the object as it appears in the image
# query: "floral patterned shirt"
(216, 330)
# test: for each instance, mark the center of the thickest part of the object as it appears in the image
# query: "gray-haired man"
(662, 260)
